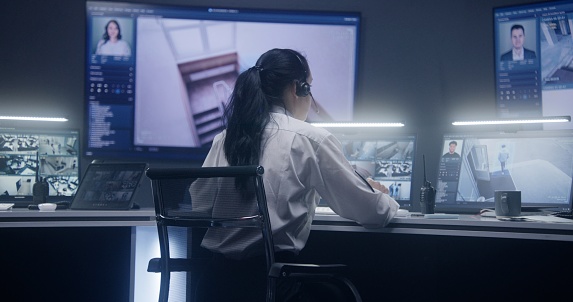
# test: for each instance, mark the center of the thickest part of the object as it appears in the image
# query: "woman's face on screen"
(112, 30)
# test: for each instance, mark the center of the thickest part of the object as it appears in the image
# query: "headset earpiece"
(302, 88)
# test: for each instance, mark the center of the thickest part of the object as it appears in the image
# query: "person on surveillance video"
(502, 157)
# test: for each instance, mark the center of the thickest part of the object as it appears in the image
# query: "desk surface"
(465, 225)
(76, 218)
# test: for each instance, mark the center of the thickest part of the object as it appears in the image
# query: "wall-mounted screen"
(158, 77)
(534, 60)
(474, 165)
(30, 154)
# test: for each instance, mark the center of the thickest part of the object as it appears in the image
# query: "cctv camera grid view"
(388, 161)
(27, 156)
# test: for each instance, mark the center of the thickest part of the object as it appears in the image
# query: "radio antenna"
(37, 166)
(424, 159)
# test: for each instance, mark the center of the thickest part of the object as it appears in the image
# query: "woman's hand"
(378, 186)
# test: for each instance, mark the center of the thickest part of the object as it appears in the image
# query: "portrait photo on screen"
(452, 149)
(112, 36)
(518, 40)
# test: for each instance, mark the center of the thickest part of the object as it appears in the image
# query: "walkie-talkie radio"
(40, 189)
(427, 194)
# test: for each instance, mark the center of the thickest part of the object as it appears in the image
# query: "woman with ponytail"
(265, 125)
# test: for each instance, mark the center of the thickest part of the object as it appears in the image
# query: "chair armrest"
(280, 270)
(154, 265)
(315, 272)
(178, 264)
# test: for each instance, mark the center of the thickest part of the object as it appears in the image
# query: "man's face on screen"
(452, 148)
(517, 38)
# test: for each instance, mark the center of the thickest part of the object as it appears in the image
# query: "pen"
(361, 177)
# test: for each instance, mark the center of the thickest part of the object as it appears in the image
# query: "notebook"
(108, 186)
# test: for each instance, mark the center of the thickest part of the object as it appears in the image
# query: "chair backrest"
(208, 197)
(229, 202)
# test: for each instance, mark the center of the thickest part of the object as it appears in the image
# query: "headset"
(302, 87)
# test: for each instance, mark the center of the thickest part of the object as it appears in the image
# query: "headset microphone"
(314, 101)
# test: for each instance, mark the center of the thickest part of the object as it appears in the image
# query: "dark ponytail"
(246, 116)
(256, 91)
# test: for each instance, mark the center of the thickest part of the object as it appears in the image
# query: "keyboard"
(60, 205)
(324, 211)
(6, 206)
(564, 214)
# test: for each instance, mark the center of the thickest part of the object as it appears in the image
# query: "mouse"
(63, 204)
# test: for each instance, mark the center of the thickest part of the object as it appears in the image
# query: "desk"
(466, 226)
(69, 255)
(468, 259)
(412, 258)
(417, 259)
(18, 218)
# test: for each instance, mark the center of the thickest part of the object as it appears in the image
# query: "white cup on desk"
(47, 207)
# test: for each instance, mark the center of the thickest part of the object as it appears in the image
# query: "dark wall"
(423, 62)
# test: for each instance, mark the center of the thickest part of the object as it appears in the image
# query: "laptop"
(108, 186)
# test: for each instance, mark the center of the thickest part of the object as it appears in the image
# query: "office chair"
(177, 210)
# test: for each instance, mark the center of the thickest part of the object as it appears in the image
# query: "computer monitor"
(474, 165)
(534, 60)
(30, 154)
(160, 90)
(387, 158)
